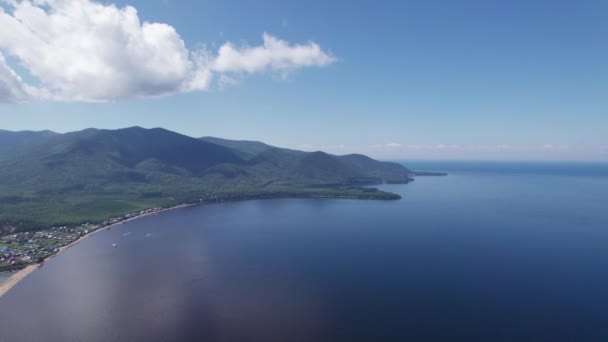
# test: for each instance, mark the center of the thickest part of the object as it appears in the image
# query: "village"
(19, 249)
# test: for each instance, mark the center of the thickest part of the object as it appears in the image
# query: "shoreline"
(14, 279)
(64, 248)
(18, 276)
(21, 274)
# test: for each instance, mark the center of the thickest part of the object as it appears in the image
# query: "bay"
(493, 251)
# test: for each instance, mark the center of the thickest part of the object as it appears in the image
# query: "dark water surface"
(486, 253)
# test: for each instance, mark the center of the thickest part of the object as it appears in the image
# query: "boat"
(114, 245)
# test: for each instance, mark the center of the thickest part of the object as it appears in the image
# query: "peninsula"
(56, 188)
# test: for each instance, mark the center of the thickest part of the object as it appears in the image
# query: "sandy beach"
(16, 278)
(21, 274)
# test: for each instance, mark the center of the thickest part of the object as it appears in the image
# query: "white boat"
(114, 245)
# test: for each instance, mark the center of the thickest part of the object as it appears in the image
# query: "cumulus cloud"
(82, 50)
(274, 54)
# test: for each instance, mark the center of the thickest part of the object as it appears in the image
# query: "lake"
(494, 251)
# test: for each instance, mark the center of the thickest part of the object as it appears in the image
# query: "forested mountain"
(48, 178)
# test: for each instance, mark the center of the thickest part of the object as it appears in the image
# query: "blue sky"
(406, 80)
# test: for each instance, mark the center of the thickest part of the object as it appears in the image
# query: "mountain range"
(49, 179)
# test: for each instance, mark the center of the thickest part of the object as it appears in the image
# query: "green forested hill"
(12, 143)
(50, 179)
(251, 148)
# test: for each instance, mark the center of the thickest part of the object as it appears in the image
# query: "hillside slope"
(12, 143)
(93, 156)
(90, 175)
(250, 148)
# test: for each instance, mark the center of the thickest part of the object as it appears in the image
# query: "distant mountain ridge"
(51, 178)
(361, 166)
(251, 148)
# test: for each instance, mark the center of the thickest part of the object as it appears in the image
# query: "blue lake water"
(494, 251)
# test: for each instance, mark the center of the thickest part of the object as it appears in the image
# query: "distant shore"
(21, 274)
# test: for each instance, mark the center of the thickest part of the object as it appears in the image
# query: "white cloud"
(81, 50)
(12, 88)
(275, 54)
(394, 145)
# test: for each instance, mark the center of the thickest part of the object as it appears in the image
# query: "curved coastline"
(18, 276)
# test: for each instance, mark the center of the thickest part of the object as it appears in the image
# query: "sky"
(471, 79)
